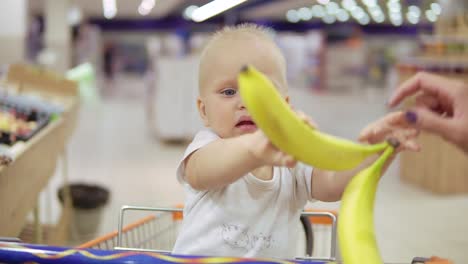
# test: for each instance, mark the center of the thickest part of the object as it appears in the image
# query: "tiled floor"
(112, 146)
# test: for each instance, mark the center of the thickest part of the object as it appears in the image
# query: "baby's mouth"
(246, 126)
(245, 123)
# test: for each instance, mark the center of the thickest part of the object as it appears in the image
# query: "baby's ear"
(202, 111)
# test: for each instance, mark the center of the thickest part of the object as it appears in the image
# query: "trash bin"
(88, 202)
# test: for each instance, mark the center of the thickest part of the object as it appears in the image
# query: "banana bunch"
(356, 235)
(272, 114)
(290, 134)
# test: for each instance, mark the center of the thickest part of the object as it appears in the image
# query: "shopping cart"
(158, 232)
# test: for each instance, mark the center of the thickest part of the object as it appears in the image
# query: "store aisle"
(112, 147)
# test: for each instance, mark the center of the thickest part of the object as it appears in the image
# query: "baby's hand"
(391, 125)
(307, 119)
(267, 154)
(262, 149)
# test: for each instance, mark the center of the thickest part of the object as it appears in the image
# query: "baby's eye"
(229, 92)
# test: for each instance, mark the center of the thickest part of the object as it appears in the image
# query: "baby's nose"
(241, 103)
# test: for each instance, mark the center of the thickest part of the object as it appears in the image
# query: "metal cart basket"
(158, 232)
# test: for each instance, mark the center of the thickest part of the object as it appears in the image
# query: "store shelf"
(35, 160)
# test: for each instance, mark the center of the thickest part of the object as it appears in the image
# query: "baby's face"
(220, 104)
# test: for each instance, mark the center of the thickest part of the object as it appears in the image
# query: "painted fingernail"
(411, 117)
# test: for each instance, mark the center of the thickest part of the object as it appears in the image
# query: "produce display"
(21, 117)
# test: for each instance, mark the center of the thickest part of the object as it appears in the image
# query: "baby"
(244, 197)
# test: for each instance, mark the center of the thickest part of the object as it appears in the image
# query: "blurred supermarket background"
(121, 132)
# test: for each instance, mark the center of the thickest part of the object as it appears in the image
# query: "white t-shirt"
(248, 218)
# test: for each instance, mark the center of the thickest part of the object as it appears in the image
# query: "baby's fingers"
(382, 128)
(283, 159)
(407, 138)
(374, 133)
(289, 161)
(306, 119)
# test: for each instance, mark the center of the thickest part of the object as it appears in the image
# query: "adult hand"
(441, 106)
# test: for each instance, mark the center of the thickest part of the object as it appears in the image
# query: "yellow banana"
(355, 224)
(289, 133)
(272, 114)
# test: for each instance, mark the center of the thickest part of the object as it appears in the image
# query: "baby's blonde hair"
(257, 30)
(227, 32)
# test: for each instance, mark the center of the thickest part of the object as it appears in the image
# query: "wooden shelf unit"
(440, 167)
(22, 180)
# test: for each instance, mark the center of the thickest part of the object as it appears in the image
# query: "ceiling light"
(332, 8)
(189, 11)
(143, 11)
(396, 20)
(349, 4)
(370, 3)
(145, 7)
(364, 20)
(318, 11)
(412, 15)
(329, 19)
(380, 18)
(375, 10)
(358, 13)
(109, 8)
(412, 18)
(414, 10)
(213, 8)
(377, 14)
(395, 16)
(394, 7)
(292, 16)
(436, 8)
(393, 4)
(431, 16)
(304, 13)
(74, 16)
(342, 15)
(147, 4)
(397, 23)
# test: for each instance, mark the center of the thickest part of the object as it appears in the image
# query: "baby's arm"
(225, 160)
(328, 186)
